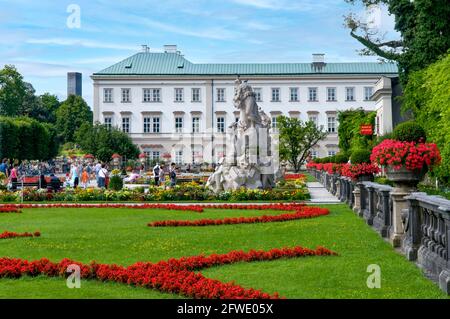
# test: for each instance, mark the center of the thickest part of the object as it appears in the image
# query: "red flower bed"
(10, 209)
(305, 212)
(294, 176)
(356, 170)
(173, 276)
(414, 156)
(195, 208)
(7, 234)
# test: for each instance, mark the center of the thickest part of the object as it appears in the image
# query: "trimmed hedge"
(409, 131)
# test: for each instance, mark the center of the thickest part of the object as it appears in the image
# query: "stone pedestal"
(357, 194)
(338, 188)
(399, 203)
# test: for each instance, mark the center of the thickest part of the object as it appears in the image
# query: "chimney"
(170, 48)
(318, 62)
(145, 48)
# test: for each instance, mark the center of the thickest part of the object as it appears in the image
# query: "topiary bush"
(115, 183)
(409, 131)
(341, 158)
(360, 156)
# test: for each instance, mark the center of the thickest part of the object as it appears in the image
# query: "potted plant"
(360, 168)
(406, 157)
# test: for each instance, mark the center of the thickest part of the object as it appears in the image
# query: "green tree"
(13, 91)
(72, 113)
(296, 140)
(424, 28)
(103, 142)
(50, 104)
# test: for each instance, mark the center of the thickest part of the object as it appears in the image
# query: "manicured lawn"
(309, 177)
(121, 236)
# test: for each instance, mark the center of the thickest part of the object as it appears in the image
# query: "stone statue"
(252, 157)
(244, 100)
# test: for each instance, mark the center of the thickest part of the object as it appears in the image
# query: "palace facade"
(173, 108)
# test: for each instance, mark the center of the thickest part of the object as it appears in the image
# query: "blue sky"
(35, 37)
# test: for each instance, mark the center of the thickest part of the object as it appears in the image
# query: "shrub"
(116, 183)
(341, 158)
(360, 156)
(409, 131)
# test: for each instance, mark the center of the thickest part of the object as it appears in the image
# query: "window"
(147, 121)
(331, 153)
(331, 94)
(274, 123)
(179, 125)
(126, 124)
(195, 125)
(258, 94)
(152, 125)
(179, 157)
(313, 154)
(275, 95)
(156, 127)
(108, 122)
(196, 95)
(126, 98)
(313, 118)
(221, 95)
(152, 95)
(331, 124)
(312, 94)
(179, 95)
(155, 155)
(236, 119)
(350, 94)
(107, 95)
(368, 91)
(294, 95)
(221, 124)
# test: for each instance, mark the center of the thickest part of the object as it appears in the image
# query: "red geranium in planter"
(413, 156)
(356, 171)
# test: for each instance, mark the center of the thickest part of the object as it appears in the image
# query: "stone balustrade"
(421, 228)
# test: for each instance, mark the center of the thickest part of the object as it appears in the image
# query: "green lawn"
(121, 236)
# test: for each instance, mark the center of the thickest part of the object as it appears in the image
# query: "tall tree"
(424, 28)
(13, 91)
(296, 140)
(103, 142)
(72, 113)
(50, 104)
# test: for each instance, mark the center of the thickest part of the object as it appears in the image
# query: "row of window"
(154, 94)
(156, 155)
(152, 124)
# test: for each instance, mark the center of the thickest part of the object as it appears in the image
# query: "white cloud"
(82, 42)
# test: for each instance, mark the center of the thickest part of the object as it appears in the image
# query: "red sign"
(366, 129)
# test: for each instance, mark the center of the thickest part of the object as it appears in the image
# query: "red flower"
(303, 212)
(7, 234)
(173, 276)
(414, 156)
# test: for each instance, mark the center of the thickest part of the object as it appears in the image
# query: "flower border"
(304, 212)
(173, 276)
(8, 234)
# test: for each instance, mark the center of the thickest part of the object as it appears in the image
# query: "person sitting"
(55, 183)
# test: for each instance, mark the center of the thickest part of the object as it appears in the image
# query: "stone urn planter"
(405, 177)
(405, 182)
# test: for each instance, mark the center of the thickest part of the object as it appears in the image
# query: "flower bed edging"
(7, 234)
(305, 212)
(173, 275)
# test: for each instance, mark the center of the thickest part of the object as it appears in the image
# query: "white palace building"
(169, 105)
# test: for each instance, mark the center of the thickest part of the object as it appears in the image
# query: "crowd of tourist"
(77, 174)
